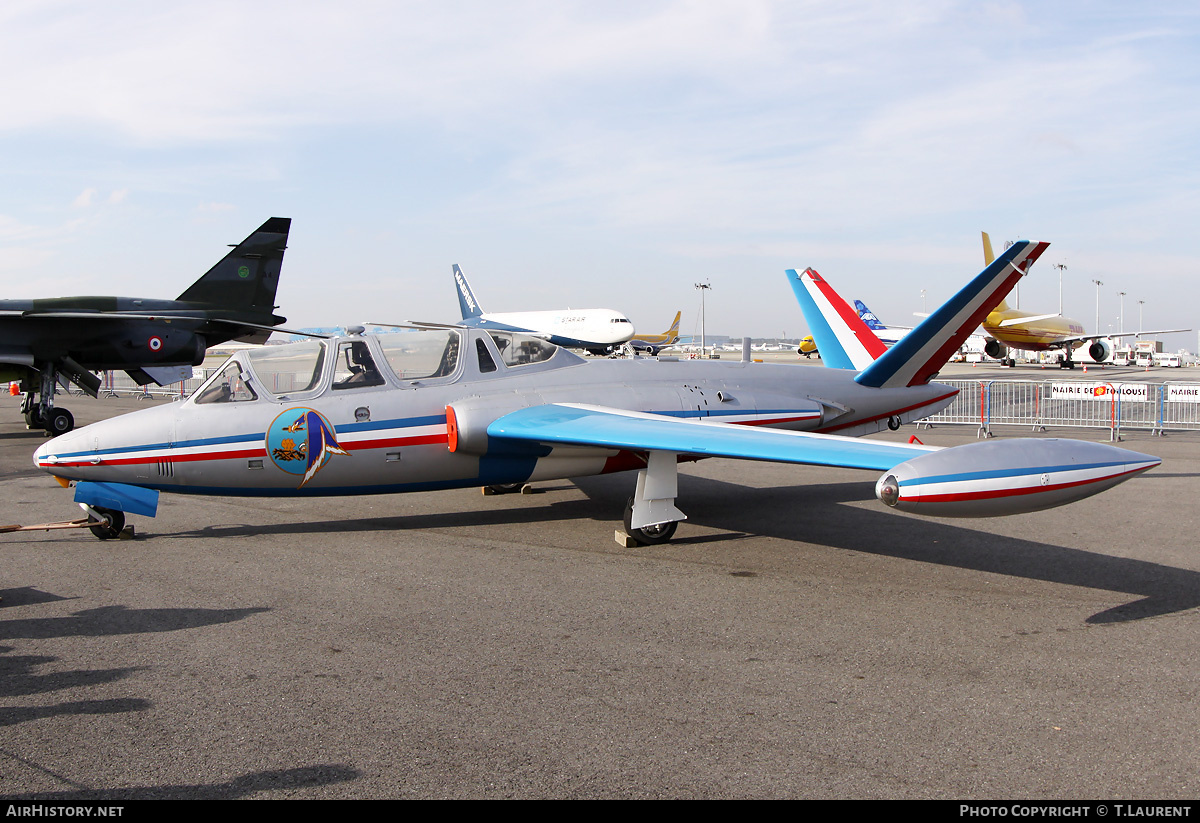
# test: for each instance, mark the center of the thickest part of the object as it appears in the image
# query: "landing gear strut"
(38, 404)
(650, 515)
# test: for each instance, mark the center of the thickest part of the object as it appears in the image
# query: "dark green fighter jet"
(58, 339)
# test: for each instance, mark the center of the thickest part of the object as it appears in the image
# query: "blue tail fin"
(467, 303)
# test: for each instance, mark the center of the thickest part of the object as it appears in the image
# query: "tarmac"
(795, 640)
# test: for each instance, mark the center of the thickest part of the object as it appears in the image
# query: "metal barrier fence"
(120, 384)
(1156, 407)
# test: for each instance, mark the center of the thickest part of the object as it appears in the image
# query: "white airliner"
(596, 330)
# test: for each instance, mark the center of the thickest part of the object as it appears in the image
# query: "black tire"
(651, 535)
(61, 421)
(111, 524)
(33, 418)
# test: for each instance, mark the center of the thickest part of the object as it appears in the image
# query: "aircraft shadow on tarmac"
(11, 716)
(808, 513)
(244, 786)
(117, 620)
(812, 514)
(17, 674)
(18, 678)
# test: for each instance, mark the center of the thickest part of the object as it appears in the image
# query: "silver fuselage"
(393, 436)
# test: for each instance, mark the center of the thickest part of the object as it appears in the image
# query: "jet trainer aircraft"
(1009, 328)
(453, 407)
(71, 337)
(596, 330)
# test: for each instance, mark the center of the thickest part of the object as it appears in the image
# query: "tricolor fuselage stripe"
(350, 437)
(1013, 490)
(891, 413)
(991, 474)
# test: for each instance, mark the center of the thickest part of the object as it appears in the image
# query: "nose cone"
(46, 455)
(112, 449)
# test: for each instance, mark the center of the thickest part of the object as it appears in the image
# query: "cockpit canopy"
(404, 359)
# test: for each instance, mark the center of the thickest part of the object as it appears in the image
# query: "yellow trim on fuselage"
(666, 338)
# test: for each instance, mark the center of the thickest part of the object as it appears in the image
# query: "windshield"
(521, 350)
(418, 355)
(226, 386)
(291, 368)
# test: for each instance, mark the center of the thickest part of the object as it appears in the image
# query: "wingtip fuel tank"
(1001, 477)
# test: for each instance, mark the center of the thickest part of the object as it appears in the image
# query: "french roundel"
(155, 343)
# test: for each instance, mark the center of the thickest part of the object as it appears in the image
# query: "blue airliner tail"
(467, 303)
(868, 317)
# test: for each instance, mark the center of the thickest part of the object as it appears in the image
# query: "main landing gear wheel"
(110, 525)
(33, 418)
(61, 421)
(651, 535)
(503, 488)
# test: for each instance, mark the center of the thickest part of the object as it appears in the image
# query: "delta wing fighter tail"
(245, 279)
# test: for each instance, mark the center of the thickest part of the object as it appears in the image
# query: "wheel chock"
(624, 540)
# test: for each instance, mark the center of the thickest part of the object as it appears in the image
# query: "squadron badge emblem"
(300, 441)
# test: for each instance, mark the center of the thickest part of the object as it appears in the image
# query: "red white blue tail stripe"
(842, 338)
(920, 355)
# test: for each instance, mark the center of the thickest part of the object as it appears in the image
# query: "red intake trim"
(451, 429)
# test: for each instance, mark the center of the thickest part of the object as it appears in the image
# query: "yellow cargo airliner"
(1008, 328)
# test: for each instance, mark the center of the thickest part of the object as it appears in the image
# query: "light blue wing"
(608, 428)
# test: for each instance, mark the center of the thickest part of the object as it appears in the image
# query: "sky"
(607, 154)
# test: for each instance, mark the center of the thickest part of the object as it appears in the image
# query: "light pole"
(1140, 304)
(1098, 285)
(703, 287)
(1062, 267)
(1122, 328)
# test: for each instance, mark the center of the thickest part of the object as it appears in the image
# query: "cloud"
(84, 200)
(690, 133)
